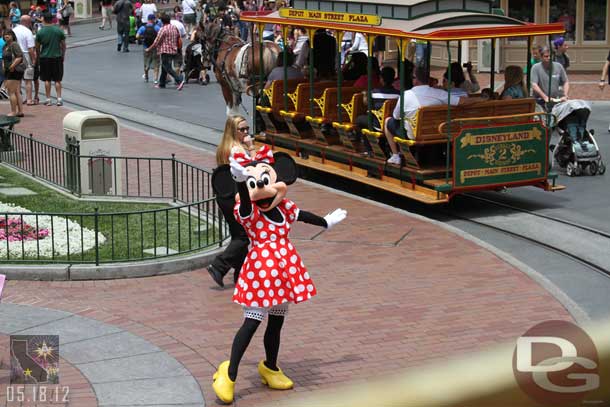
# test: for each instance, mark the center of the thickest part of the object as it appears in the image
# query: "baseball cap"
(151, 17)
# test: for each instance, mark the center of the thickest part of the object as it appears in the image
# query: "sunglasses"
(243, 129)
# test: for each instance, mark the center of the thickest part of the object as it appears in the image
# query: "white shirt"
(179, 26)
(147, 8)
(188, 6)
(25, 38)
(419, 96)
(359, 44)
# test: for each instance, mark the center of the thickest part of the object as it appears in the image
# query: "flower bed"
(34, 236)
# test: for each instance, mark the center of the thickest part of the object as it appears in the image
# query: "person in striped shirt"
(166, 44)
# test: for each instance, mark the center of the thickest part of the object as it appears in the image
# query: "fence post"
(96, 220)
(32, 161)
(174, 183)
(77, 169)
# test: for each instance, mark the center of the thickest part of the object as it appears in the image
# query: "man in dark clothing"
(123, 10)
(325, 54)
(378, 98)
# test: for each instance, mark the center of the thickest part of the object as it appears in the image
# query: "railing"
(195, 224)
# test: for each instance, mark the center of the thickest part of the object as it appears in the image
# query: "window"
(521, 10)
(564, 11)
(595, 20)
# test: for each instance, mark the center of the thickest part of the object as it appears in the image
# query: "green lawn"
(127, 235)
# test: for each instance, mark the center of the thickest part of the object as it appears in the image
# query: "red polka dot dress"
(273, 272)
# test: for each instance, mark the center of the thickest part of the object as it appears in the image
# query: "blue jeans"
(167, 68)
(123, 39)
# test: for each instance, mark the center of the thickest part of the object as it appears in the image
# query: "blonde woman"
(236, 139)
(514, 88)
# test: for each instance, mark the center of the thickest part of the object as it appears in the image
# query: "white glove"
(238, 172)
(335, 217)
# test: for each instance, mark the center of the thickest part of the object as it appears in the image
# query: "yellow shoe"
(223, 385)
(275, 380)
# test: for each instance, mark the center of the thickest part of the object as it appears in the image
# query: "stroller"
(193, 64)
(576, 151)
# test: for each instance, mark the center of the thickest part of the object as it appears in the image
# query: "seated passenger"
(459, 84)
(419, 96)
(378, 96)
(277, 73)
(356, 67)
(363, 80)
(488, 94)
(514, 88)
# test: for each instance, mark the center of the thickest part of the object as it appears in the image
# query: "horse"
(234, 62)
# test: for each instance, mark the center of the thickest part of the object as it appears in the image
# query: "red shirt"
(167, 40)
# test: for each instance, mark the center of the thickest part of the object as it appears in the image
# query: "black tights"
(245, 334)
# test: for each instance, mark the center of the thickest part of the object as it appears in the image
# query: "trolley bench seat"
(275, 97)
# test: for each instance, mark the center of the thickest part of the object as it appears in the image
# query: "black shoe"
(126, 50)
(216, 276)
(118, 48)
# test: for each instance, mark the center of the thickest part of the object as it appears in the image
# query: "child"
(14, 14)
(36, 15)
(178, 13)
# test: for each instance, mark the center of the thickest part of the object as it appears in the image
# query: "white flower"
(61, 229)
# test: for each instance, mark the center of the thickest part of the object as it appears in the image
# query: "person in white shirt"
(188, 13)
(420, 95)
(359, 44)
(148, 8)
(179, 60)
(26, 42)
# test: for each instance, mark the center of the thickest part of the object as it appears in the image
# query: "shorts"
(51, 69)
(107, 12)
(190, 18)
(151, 60)
(394, 127)
(14, 76)
(259, 313)
(379, 44)
(65, 21)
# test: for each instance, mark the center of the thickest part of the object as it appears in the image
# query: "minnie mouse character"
(273, 274)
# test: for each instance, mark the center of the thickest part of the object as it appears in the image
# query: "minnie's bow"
(264, 154)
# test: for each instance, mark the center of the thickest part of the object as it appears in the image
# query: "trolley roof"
(437, 24)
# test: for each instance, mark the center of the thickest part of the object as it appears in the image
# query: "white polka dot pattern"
(273, 272)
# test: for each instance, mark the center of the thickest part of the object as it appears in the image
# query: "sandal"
(20, 115)
(36, 101)
(29, 103)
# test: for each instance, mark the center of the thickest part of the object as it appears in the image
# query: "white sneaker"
(394, 159)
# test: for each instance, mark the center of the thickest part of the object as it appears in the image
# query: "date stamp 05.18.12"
(33, 378)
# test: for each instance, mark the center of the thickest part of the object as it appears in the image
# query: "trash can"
(93, 143)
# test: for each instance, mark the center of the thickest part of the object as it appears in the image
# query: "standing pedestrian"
(66, 12)
(188, 14)
(148, 33)
(13, 67)
(106, 14)
(51, 49)
(123, 10)
(166, 44)
(561, 46)
(148, 8)
(234, 140)
(25, 39)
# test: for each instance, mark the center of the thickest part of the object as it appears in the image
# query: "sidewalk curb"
(80, 272)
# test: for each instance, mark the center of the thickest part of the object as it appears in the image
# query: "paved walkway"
(395, 292)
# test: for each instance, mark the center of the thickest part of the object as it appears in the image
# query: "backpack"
(149, 35)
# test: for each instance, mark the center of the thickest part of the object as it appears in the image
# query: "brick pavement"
(395, 292)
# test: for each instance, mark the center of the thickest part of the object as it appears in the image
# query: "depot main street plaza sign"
(331, 16)
(500, 155)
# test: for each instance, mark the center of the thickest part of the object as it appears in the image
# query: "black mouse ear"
(223, 183)
(285, 167)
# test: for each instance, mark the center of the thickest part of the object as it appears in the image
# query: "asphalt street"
(99, 77)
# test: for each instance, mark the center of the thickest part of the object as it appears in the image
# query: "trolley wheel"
(601, 168)
(593, 168)
(571, 169)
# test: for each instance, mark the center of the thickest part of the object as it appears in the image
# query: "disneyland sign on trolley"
(331, 16)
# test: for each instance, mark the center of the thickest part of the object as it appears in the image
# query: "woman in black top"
(13, 67)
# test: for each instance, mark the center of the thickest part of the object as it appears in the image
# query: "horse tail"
(271, 52)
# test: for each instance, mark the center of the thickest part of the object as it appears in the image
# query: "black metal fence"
(195, 224)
